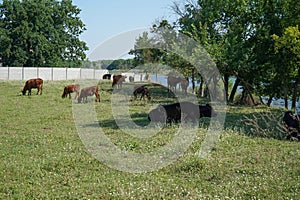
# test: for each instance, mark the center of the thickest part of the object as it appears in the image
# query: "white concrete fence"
(47, 73)
(55, 74)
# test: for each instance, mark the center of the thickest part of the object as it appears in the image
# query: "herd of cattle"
(163, 113)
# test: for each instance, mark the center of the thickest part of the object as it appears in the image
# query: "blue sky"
(106, 19)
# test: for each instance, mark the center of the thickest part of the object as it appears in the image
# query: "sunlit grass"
(43, 156)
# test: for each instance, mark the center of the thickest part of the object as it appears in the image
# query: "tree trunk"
(234, 89)
(226, 86)
(252, 98)
(193, 81)
(285, 96)
(242, 99)
(261, 100)
(201, 89)
(270, 100)
(295, 91)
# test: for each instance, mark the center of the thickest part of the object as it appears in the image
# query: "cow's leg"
(41, 90)
(77, 94)
(97, 97)
(29, 92)
(135, 95)
(69, 95)
(142, 96)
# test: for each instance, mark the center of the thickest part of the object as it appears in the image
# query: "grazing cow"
(141, 90)
(106, 76)
(131, 79)
(172, 112)
(292, 125)
(70, 89)
(184, 83)
(88, 91)
(172, 82)
(33, 83)
(118, 80)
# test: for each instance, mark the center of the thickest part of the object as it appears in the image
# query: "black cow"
(172, 112)
(131, 79)
(292, 125)
(106, 76)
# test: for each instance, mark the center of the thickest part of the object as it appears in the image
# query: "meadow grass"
(43, 156)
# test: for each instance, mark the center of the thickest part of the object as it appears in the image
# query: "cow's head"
(23, 91)
(207, 111)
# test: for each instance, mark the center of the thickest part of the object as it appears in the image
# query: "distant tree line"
(254, 42)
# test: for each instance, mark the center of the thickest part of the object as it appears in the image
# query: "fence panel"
(73, 73)
(100, 72)
(15, 73)
(48, 73)
(87, 74)
(59, 74)
(30, 72)
(45, 73)
(4, 73)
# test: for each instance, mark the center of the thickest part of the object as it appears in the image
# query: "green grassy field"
(43, 156)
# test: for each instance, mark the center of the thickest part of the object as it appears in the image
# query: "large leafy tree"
(238, 36)
(220, 27)
(287, 48)
(41, 33)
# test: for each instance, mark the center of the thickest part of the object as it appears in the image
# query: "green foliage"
(41, 33)
(288, 46)
(237, 35)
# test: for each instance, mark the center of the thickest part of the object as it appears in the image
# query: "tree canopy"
(41, 33)
(255, 42)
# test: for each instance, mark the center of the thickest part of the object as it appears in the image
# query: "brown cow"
(140, 89)
(70, 89)
(172, 82)
(88, 91)
(184, 83)
(118, 80)
(33, 83)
